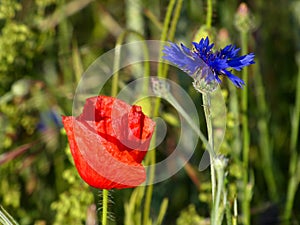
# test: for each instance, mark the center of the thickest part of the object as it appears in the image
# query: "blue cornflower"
(201, 62)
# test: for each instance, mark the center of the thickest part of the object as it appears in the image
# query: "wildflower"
(108, 142)
(201, 62)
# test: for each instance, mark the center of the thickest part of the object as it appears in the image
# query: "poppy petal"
(108, 141)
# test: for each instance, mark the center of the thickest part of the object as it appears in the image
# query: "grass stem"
(264, 137)
(294, 159)
(209, 13)
(246, 136)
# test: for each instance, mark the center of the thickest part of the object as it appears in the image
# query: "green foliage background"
(45, 45)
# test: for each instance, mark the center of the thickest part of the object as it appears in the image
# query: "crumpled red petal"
(108, 141)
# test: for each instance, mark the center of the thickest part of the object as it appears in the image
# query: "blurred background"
(46, 45)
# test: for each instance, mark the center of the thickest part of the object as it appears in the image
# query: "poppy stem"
(104, 206)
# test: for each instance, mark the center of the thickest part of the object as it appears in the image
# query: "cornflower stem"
(206, 105)
(217, 211)
(186, 116)
(246, 136)
(104, 206)
(209, 13)
(235, 213)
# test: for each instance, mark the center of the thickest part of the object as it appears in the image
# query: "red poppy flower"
(108, 142)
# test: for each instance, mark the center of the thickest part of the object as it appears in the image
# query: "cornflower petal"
(234, 79)
(229, 51)
(202, 62)
(242, 61)
(183, 57)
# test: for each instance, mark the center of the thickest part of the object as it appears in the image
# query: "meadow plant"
(119, 138)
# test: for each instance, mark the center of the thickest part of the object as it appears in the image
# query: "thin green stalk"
(174, 22)
(134, 16)
(235, 212)
(165, 33)
(189, 120)
(153, 19)
(149, 190)
(115, 79)
(64, 41)
(160, 69)
(209, 14)
(162, 211)
(152, 156)
(246, 136)
(228, 214)
(234, 109)
(220, 185)
(63, 11)
(296, 114)
(292, 189)
(265, 147)
(104, 206)
(134, 22)
(172, 30)
(5, 218)
(206, 103)
(77, 63)
(294, 159)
